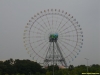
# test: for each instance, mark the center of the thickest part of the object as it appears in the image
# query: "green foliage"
(37, 73)
(22, 74)
(6, 74)
(48, 73)
(27, 67)
(0, 73)
(50, 68)
(18, 74)
(71, 67)
(19, 67)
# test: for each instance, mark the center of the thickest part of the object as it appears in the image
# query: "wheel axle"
(53, 37)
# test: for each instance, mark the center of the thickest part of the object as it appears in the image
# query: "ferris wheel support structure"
(54, 55)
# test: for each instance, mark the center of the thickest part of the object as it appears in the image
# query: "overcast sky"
(14, 14)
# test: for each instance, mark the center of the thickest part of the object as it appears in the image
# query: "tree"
(94, 68)
(71, 67)
(50, 68)
(24, 67)
(48, 73)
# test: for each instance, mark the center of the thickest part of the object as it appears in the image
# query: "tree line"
(27, 67)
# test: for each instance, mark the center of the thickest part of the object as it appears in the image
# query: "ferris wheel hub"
(53, 37)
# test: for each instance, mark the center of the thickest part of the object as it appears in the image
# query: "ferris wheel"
(53, 37)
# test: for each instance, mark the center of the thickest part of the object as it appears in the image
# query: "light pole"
(87, 64)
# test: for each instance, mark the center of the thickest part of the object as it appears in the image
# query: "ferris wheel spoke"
(53, 24)
(69, 40)
(48, 48)
(36, 54)
(37, 41)
(37, 32)
(39, 29)
(52, 21)
(62, 51)
(32, 37)
(64, 24)
(41, 26)
(46, 51)
(60, 23)
(48, 22)
(71, 35)
(56, 23)
(68, 32)
(65, 29)
(64, 46)
(40, 44)
(45, 44)
(35, 37)
(70, 45)
(44, 22)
